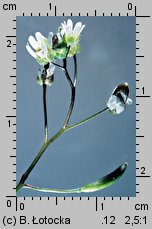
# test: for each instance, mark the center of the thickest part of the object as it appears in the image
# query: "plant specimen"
(51, 53)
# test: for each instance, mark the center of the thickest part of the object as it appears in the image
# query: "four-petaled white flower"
(69, 32)
(41, 48)
(71, 35)
(119, 98)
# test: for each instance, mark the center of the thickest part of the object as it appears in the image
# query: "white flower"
(45, 76)
(119, 98)
(68, 30)
(40, 48)
(50, 70)
(71, 35)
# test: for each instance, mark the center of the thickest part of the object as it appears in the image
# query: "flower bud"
(55, 41)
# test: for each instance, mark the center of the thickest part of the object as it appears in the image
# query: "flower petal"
(129, 101)
(62, 29)
(81, 29)
(40, 38)
(40, 54)
(115, 105)
(111, 104)
(62, 32)
(49, 80)
(51, 69)
(77, 28)
(63, 24)
(44, 50)
(30, 50)
(119, 108)
(59, 36)
(33, 42)
(70, 24)
(49, 39)
(69, 27)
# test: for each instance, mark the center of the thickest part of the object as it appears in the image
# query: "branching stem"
(64, 128)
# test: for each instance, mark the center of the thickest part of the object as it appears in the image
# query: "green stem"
(86, 119)
(72, 94)
(19, 186)
(36, 159)
(75, 70)
(45, 145)
(45, 113)
(51, 190)
(58, 65)
(63, 129)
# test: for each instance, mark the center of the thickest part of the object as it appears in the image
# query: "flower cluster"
(65, 43)
(59, 46)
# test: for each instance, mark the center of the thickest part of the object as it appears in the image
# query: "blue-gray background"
(86, 153)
